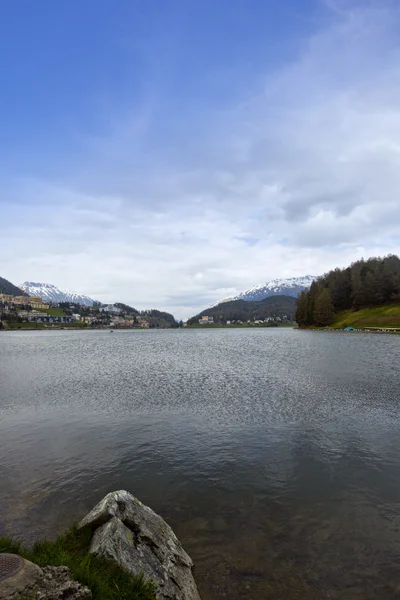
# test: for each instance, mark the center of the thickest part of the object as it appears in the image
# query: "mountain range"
(277, 287)
(291, 286)
(51, 293)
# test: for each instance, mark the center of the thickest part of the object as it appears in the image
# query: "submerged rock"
(140, 541)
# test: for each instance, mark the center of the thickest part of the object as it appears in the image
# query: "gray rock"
(56, 584)
(48, 583)
(140, 541)
(21, 582)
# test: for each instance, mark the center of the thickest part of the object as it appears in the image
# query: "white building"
(110, 308)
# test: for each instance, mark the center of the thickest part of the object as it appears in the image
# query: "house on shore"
(205, 320)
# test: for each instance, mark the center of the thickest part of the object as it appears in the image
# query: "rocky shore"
(123, 531)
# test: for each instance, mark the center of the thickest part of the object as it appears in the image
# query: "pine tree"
(340, 288)
(323, 311)
(302, 310)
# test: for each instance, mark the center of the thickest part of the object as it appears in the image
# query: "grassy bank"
(386, 317)
(53, 312)
(33, 325)
(105, 579)
(24, 326)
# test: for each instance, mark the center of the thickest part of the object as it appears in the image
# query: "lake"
(274, 454)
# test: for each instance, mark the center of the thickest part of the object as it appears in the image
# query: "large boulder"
(140, 541)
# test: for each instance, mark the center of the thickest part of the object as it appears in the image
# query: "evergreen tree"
(357, 285)
(340, 288)
(323, 311)
(302, 310)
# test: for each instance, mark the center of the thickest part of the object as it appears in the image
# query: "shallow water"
(274, 454)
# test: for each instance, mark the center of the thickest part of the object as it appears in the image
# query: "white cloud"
(301, 177)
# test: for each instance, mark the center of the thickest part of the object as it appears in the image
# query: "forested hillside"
(6, 287)
(364, 284)
(128, 310)
(159, 318)
(242, 310)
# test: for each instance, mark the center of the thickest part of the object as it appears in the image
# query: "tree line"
(364, 284)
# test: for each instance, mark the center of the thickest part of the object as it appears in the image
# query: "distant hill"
(291, 286)
(128, 310)
(244, 310)
(159, 318)
(51, 293)
(6, 287)
(155, 318)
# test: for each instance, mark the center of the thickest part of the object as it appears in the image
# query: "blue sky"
(170, 153)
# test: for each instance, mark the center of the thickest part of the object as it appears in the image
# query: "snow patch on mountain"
(51, 293)
(291, 286)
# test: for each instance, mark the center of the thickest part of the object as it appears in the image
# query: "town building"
(20, 300)
(205, 320)
(111, 309)
(121, 322)
(39, 304)
(43, 318)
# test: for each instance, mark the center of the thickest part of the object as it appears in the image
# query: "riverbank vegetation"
(105, 579)
(365, 292)
(49, 326)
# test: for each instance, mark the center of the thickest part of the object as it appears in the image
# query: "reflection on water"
(274, 454)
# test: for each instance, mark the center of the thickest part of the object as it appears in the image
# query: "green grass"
(25, 325)
(75, 324)
(53, 312)
(105, 579)
(33, 325)
(386, 317)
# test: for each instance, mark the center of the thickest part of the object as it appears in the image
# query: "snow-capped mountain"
(292, 286)
(51, 293)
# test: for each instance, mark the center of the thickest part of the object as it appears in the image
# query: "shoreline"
(372, 329)
(354, 330)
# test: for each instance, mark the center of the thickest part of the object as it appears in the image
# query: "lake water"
(274, 454)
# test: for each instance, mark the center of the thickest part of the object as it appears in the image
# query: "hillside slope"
(387, 317)
(6, 287)
(242, 310)
(159, 318)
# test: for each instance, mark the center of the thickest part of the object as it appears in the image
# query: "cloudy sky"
(169, 153)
